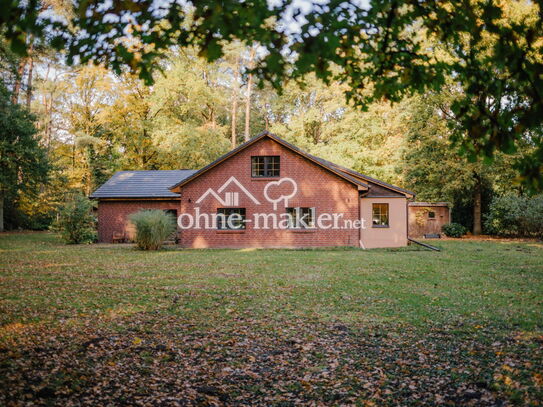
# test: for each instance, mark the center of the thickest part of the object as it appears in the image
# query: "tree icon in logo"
(293, 187)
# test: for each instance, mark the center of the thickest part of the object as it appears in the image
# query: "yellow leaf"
(538, 379)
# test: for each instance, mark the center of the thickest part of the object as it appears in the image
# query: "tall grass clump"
(153, 226)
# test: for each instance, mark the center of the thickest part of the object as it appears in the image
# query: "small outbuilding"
(427, 218)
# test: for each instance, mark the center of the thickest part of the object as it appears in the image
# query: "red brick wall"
(113, 215)
(317, 188)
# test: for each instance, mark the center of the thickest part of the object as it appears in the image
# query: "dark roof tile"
(142, 184)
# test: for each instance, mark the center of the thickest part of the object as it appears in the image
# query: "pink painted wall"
(393, 236)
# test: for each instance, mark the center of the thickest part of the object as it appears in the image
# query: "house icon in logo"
(230, 198)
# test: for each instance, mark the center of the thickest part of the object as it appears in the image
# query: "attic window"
(265, 166)
(431, 215)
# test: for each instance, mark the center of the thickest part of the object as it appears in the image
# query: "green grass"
(473, 282)
(111, 325)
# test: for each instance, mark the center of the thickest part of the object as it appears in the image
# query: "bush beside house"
(454, 230)
(515, 216)
(76, 222)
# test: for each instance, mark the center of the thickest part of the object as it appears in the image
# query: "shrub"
(75, 222)
(454, 230)
(152, 228)
(516, 216)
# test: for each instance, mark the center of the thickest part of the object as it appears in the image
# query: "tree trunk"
(1, 210)
(477, 229)
(49, 133)
(213, 119)
(235, 102)
(248, 100)
(29, 80)
(18, 81)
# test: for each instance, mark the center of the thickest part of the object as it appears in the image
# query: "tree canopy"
(450, 142)
(491, 50)
(23, 161)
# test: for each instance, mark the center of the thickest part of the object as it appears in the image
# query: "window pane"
(301, 218)
(380, 214)
(231, 218)
(273, 166)
(257, 166)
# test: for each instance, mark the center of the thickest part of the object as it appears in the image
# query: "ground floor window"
(231, 218)
(301, 218)
(380, 215)
(172, 212)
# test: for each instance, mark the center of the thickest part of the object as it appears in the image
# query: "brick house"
(265, 193)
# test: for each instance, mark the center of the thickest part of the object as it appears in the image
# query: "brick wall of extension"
(113, 216)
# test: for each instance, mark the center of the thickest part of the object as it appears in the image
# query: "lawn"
(107, 324)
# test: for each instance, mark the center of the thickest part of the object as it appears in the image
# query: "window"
(301, 218)
(431, 215)
(172, 212)
(380, 215)
(231, 218)
(265, 166)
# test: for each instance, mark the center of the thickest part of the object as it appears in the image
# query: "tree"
(317, 118)
(492, 49)
(235, 96)
(76, 221)
(23, 161)
(129, 120)
(431, 167)
(87, 147)
(247, 132)
(191, 103)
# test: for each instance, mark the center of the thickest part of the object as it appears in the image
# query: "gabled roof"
(368, 178)
(363, 182)
(141, 184)
(359, 183)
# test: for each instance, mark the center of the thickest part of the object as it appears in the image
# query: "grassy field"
(103, 324)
